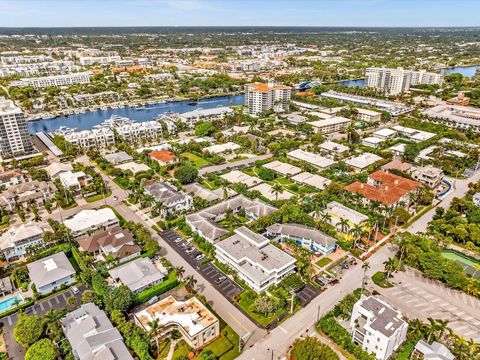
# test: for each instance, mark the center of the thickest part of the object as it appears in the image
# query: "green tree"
(311, 348)
(41, 350)
(88, 296)
(204, 129)
(28, 329)
(186, 174)
(207, 355)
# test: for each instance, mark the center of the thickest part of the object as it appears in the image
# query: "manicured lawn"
(198, 162)
(379, 278)
(405, 351)
(164, 347)
(323, 262)
(226, 347)
(283, 181)
(209, 185)
(249, 171)
(247, 303)
(97, 197)
(181, 349)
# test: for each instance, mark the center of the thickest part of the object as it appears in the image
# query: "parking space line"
(281, 328)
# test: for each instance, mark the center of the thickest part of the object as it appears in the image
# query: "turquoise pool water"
(7, 304)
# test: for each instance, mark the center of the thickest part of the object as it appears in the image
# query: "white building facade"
(261, 97)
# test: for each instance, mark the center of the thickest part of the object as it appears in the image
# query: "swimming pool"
(9, 303)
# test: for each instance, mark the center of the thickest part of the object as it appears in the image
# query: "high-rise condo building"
(14, 136)
(260, 97)
(396, 81)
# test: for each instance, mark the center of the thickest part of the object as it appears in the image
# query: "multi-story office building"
(377, 327)
(55, 80)
(260, 97)
(396, 81)
(87, 139)
(14, 136)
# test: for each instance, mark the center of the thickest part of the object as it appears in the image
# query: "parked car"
(189, 250)
(220, 279)
(319, 282)
(200, 256)
(177, 240)
(75, 290)
(344, 265)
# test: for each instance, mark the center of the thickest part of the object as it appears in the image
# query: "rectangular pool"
(9, 303)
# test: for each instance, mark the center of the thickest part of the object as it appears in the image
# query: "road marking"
(9, 320)
(281, 328)
(41, 306)
(56, 300)
(237, 321)
(64, 297)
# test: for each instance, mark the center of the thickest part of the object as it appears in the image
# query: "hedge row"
(170, 283)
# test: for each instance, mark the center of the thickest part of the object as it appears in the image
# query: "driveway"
(58, 302)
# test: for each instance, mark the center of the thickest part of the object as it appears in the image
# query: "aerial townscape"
(181, 181)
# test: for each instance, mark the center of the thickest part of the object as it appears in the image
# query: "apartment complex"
(396, 81)
(191, 318)
(256, 261)
(305, 236)
(330, 125)
(140, 130)
(14, 136)
(260, 97)
(102, 60)
(55, 80)
(377, 327)
(459, 117)
(94, 138)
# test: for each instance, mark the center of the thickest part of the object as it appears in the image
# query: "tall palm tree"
(179, 271)
(190, 283)
(344, 225)
(365, 267)
(357, 231)
(432, 328)
(276, 190)
(326, 217)
(442, 327)
(389, 266)
(155, 329)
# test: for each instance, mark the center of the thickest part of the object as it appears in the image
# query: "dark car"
(320, 282)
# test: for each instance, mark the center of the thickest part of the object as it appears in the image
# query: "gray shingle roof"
(50, 269)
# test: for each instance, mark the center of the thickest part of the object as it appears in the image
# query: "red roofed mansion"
(388, 189)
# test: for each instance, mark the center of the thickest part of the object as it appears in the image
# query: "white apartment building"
(102, 60)
(260, 97)
(330, 125)
(140, 130)
(396, 81)
(32, 69)
(377, 327)
(256, 261)
(55, 80)
(368, 115)
(99, 138)
(14, 136)
(459, 117)
(316, 160)
(17, 239)
(90, 221)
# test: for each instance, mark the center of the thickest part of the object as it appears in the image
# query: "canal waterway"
(89, 119)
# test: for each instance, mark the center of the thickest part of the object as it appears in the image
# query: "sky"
(65, 13)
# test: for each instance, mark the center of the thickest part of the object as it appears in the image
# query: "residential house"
(316, 160)
(24, 195)
(238, 177)
(52, 272)
(434, 351)
(74, 181)
(210, 195)
(283, 168)
(137, 275)
(334, 147)
(115, 242)
(92, 336)
(377, 327)
(310, 179)
(55, 169)
(338, 211)
(172, 198)
(388, 189)
(119, 157)
(361, 162)
(15, 242)
(163, 157)
(88, 222)
(428, 175)
(13, 177)
(372, 141)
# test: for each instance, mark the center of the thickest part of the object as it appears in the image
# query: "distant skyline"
(361, 13)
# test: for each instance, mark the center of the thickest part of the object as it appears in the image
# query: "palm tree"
(155, 329)
(389, 266)
(326, 217)
(415, 330)
(277, 189)
(224, 186)
(179, 271)
(432, 329)
(190, 283)
(357, 231)
(365, 267)
(344, 225)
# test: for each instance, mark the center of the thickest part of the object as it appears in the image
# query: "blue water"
(87, 120)
(464, 70)
(352, 83)
(7, 304)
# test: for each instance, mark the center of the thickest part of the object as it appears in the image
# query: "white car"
(75, 290)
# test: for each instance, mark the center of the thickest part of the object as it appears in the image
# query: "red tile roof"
(392, 187)
(162, 155)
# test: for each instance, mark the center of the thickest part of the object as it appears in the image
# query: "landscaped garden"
(380, 279)
(324, 261)
(197, 161)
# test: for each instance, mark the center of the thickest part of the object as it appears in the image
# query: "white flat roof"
(282, 168)
(385, 132)
(311, 158)
(333, 146)
(372, 140)
(330, 121)
(89, 219)
(364, 160)
(237, 176)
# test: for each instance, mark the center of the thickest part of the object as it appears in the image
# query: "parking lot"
(15, 350)
(307, 294)
(226, 286)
